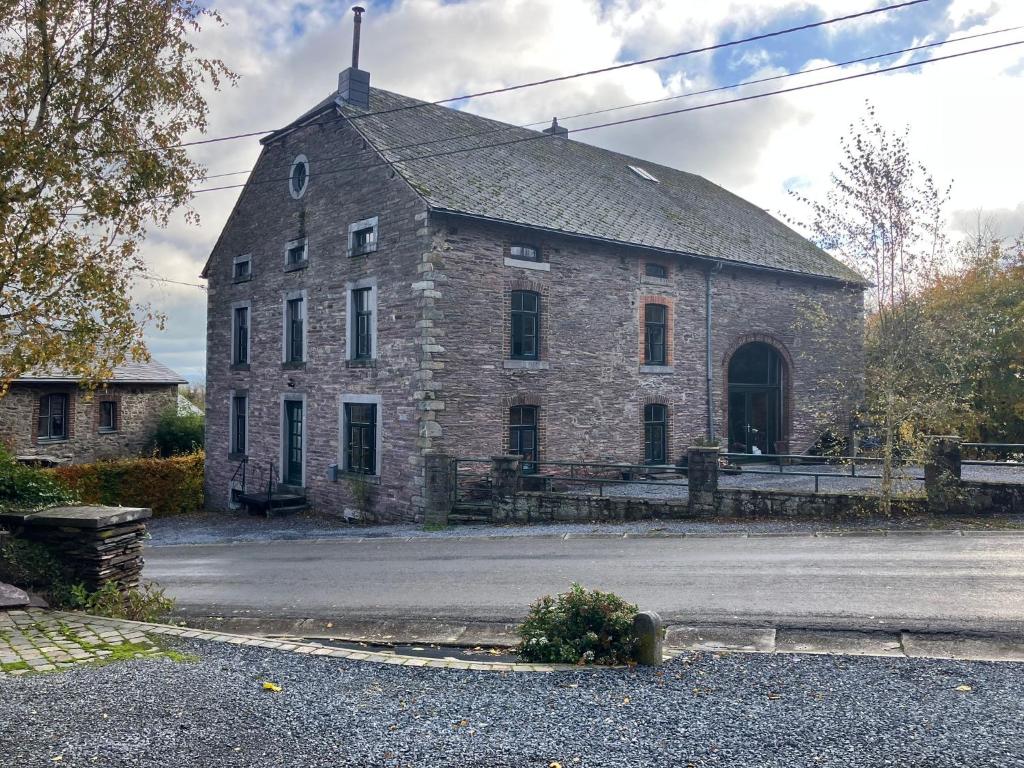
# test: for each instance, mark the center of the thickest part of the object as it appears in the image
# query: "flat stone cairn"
(95, 544)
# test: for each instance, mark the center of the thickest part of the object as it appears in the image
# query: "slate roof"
(152, 372)
(567, 186)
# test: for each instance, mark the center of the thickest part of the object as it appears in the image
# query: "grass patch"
(14, 666)
(434, 527)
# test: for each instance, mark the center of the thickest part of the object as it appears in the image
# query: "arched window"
(525, 325)
(298, 179)
(655, 433)
(755, 399)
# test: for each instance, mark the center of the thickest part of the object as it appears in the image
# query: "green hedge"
(168, 486)
(25, 489)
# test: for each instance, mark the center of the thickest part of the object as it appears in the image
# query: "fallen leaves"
(272, 687)
(963, 688)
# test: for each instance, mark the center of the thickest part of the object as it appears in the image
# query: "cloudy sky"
(965, 115)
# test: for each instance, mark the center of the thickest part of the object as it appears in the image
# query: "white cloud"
(964, 127)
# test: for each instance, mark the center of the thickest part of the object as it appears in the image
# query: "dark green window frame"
(525, 333)
(362, 325)
(655, 434)
(361, 438)
(655, 334)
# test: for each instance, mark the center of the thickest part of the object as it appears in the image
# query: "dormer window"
(655, 270)
(524, 252)
(298, 179)
(362, 237)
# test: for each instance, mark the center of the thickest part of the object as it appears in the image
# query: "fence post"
(505, 479)
(942, 473)
(702, 478)
(437, 488)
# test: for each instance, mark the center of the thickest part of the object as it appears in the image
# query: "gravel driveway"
(704, 710)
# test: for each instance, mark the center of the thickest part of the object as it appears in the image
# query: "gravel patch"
(699, 710)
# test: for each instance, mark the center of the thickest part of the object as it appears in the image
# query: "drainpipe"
(708, 275)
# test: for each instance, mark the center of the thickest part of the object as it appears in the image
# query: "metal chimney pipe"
(355, 35)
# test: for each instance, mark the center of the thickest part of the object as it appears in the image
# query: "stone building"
(398, 277)
(47, 417)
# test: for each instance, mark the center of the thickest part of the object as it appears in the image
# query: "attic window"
(643, 174)
(299, 177)
(524, 252)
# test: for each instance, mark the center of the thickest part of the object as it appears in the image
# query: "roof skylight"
(643, 173)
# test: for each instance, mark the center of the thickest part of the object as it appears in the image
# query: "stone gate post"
(942, 473)
(438, 489)
(702, 478)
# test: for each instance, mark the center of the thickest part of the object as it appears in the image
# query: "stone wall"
(590, 384)
(138, 410)
(264, 219)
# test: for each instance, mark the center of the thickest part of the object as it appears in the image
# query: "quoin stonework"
(398, 278)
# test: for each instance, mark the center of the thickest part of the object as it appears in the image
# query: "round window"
(299, 177)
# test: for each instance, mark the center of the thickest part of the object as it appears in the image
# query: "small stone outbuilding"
(48, 418)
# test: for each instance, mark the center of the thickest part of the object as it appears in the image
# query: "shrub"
(178, 434)
(25, 489)
(167, 486)
(29, 565)
(579, 627)
(150, 603)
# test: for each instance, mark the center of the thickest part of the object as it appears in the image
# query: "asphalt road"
(937, 582)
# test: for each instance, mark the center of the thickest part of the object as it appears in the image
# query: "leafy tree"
(178, 434)
(883, 216)
(94, 100)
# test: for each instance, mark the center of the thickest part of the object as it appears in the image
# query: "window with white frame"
(361, 320)
(298, 177)
(240, 333)
(360, 443)
(296, 253)
(295, 327)
(362, 237)
(242, 268)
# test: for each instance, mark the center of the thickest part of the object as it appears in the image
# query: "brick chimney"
(354, 83)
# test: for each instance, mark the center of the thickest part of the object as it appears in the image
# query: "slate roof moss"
(510, 174)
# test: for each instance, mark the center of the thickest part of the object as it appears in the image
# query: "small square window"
(242, 269)
(362, 237)
(524, 252)
(295, 252)
(655, 270)
(108, 416)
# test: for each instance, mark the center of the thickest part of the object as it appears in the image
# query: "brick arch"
(524, 398)
(786, 417)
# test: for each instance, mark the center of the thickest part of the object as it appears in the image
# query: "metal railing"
(993, 449)
(262, 476)
(781, 463)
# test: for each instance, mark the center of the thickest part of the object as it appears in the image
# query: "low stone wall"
(736, 502)
(561, 508)
(991, 498)
(94, 545)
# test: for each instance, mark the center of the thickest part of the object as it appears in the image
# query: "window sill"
(107, 431)
(51, 440)
(239, 366)
(354, 253)
(657, 369)
(296, 266)
(526, 365)
(293, 365)
(245, 279)
(371, 363)
(344, 474)
(540, 266)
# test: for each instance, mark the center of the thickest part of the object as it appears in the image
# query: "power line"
(675, 97)
(158, 279)
(626, 121)
(589, 72)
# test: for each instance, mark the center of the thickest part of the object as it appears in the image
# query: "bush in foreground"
(579, 627)
(167, 486)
